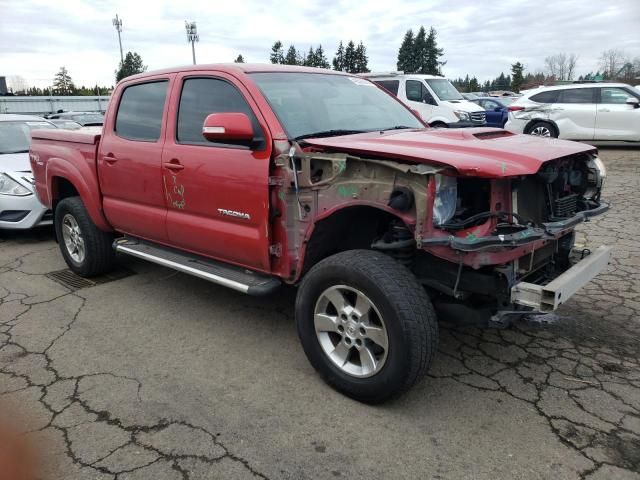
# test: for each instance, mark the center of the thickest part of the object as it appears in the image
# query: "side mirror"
(633, 101)
(227, 126)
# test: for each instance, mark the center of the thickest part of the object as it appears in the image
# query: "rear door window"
(140, 111)
(577, 95)
(391, 86)
(545, 97)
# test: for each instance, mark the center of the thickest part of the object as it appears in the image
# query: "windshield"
(15, 137)
(308, 103)
(443, 89)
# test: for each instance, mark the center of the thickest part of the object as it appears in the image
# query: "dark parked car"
(497, 110)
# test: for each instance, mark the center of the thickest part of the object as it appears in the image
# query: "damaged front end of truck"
(489, 241)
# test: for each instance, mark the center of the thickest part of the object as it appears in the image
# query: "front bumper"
(21, 213)
(548, 297)
(466, 124)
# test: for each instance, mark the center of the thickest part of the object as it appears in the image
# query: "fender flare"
(85, 183)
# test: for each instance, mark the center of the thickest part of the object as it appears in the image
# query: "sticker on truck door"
(174, 192)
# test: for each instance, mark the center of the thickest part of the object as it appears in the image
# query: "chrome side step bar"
(230, 276)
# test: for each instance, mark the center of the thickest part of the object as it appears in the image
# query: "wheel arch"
(350, 227)
(533, 121)
(64, 180)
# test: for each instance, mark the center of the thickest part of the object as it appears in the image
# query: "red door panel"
(216, 194)
(129, 160)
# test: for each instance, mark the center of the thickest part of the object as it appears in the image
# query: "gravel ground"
(162, 376)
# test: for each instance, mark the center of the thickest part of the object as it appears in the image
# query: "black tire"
(542, 126)
(409, 317)
(99, 256)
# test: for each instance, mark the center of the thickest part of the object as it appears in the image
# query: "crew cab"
(254, 176)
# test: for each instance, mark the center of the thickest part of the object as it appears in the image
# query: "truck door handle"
(174, 165)
(110, 158)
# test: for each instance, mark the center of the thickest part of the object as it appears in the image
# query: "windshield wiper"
(397, 127)
(14, 151)
(328, 133)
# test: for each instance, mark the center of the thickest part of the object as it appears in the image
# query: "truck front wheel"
(86, 249)
(366, 324)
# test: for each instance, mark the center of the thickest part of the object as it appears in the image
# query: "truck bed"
(88, 136)
(67, 159)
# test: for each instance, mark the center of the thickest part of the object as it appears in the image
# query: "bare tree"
(611, 61)
(561, 66)
(572, 60)
(17, 84)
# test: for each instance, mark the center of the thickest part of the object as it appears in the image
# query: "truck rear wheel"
(86, 249)
(366, 324)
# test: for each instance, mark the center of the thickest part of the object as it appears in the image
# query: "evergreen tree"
(132, 65)
(277, 53)
(338, 59)
(349, 57)
(361, 60)
(474, 85)
(310, 60)
(517, 78)
(321, 58)
(292, 57)
(239, 59)
(432, 61)
(62, 83)
(420, 52)
(405, 54)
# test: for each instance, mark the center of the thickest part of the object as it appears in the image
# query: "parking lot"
(158, 375)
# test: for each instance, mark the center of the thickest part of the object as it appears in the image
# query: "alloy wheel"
(541, 131)
(72, 237)
(351, 331)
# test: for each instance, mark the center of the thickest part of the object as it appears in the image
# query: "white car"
(434, 98)
(19, 207)
(588, 111)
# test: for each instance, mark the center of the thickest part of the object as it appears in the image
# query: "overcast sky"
(479, 38)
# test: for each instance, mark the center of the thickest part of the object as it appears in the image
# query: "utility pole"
(117, 22)
(192, 36)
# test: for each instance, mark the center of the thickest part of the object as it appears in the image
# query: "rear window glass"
(389, 85)
(545, 97)
(140, 112)
(576, 95)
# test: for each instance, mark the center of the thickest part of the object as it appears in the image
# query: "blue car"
(497, 110)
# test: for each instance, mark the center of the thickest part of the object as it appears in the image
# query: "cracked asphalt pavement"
(163, 376)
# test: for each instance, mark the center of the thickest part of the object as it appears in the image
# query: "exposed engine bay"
(467, 239)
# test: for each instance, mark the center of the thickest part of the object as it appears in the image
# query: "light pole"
(117, 22)
(192, 36)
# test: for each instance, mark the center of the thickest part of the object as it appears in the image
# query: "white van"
(434, 98)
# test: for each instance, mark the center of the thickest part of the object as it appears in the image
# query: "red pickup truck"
(251, 176)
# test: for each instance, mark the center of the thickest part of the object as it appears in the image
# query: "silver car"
(19, 207)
